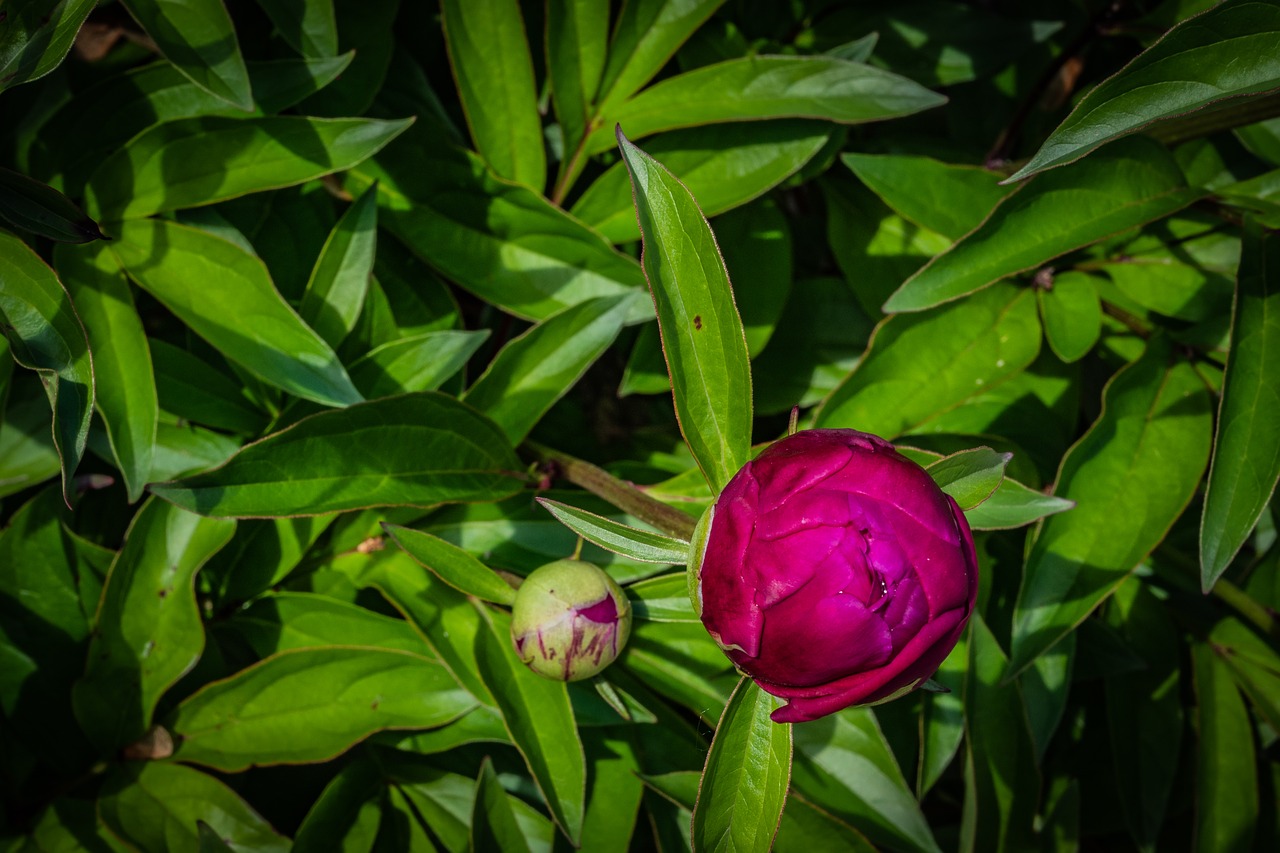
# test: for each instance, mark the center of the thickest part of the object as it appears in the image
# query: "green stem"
(625, 496)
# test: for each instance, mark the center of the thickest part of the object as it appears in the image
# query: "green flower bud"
(570, 620)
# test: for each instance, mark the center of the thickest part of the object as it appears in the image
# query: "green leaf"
(494, 71)
(537, 368)
(71, 825)
(347, 813)
(922, 366)
(200, 161)
(340, 279)
(1144, 711)
(1246, 455)
(493, 824)
(37, 36)
(540, 720)
(723, 166)
(1226, 778)
(701, 332)
(418, 363)
(124, 385)
(503, 242)
(1207, 62)
(745, 781)
(28, 455)
(197, 36)
(1014, 505)
(309, 26)
(970, 476)
(1130, 183)
(806, 828)
(148, 632)
(453, 565)
(156, 805)
(948, 198)
(645, 546)
(1002, 777)
(310, 705)
(1072, 315)
(283, 621)
(45, 335)
(844, 765)
(765, 87)
(942, 719)
(1127, 495)
(443, 616)
(42, 210)
(167, 260)
(646, 35)
(189, 387)
(416, 450)
(579, 29)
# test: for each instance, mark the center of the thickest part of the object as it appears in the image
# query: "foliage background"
(422, 207)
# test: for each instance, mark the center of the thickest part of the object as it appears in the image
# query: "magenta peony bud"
(570, 620)
(834, 572)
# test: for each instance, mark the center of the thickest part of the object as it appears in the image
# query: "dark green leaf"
(418, 363)
(1246, 455)
(155, 806)
(745, 781)
(1209, 61)
(125, 391)
(346, 812)
(416, 449)
(537, 368)
(493, 824)
(1127, 496)
(200, 161)
(37, 36)
(197, 36)
(42, 210)
(453, 565)
(168, 259)
(922, 366)
(702, 334)
(189, 387)
(1002, 777)
(283, 621)
(494, 70)
(309, 705)
(643, 545)
(148, 631)
(540, 720)
(646, 35)
(309, 26)
(1128, 184)
(764, 87)
(1226, 778)
(340, 279)
(45, 335)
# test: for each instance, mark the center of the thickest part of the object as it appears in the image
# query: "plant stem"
(625, 496)
(1239, 601)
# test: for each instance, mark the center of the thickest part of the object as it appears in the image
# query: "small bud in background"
(570, 620)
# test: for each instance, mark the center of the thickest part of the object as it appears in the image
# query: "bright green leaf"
(643, 545)
(416, 449)
(453, 565)
(1246, 455)
(745, 781)
(701, 331)
(340, 279)
(1130, 183)
(197, 36)
(970, 476)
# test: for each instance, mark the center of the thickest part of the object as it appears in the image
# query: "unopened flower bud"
(570, 620)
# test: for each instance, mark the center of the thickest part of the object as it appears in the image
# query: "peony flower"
(834, 572)
(570, 620)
